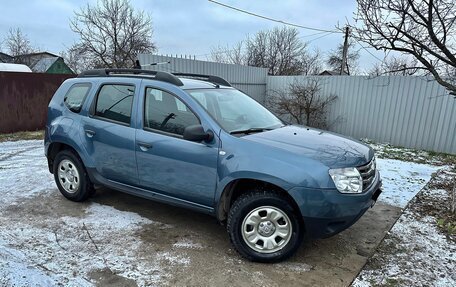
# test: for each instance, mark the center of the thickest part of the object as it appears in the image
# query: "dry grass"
(32, 135)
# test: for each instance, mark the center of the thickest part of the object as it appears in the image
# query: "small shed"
(52, 65)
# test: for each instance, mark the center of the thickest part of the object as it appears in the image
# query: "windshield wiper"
(251, 130)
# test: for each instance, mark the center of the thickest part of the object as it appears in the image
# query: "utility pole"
(344, 52)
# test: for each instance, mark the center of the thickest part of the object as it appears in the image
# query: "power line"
(307, 42)
(365, 49)
(272, 19)
(327, 34)
(313, 34)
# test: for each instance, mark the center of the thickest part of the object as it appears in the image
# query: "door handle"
(90, 133)
(144, 146)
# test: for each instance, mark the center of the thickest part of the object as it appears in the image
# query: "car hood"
(331, 149)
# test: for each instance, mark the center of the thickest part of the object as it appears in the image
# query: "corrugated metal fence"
(407, 111)
(412, 112)
(251, 80)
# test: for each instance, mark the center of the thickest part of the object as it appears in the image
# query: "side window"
(165, 112)
(114, 102)
(74, 98)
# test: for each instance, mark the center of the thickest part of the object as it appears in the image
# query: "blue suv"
(194, 141)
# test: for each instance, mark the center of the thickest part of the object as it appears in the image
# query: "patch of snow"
(294, 267)
(422, 257)
(187, 244)
(115, 219)
(436, 192)
(173, 258)
(69, 248)
(402, 180)
(15, 271)
(46, 251)
(23, 171)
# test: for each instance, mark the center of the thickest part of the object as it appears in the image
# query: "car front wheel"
(263, 227)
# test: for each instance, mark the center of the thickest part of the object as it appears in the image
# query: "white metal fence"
(407, 111)
(250, 80)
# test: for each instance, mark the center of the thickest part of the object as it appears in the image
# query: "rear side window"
(74, 98)
(114, 102)
(165, 112)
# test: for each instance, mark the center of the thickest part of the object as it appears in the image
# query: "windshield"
(235, 111)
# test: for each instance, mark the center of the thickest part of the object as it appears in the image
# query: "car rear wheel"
(263, 227)
(71, 177)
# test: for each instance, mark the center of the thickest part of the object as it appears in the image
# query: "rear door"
(109, 135)
(167, 163)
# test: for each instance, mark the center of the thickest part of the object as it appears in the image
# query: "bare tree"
(422, 29)
(395, 66)
(18, 44)
(334, 60)
(311, 63)
(227, 55)
(75, 59)
(280, 50)
(112, 33)
(303, 102)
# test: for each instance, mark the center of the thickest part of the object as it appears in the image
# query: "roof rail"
(208, 78)
(158, 75)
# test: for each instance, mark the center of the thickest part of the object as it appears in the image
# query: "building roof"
(44, 64)
(332, 73)
(39, 54)
(5, 58)
(4, 67)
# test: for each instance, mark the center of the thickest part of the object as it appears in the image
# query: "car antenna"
(139, 66)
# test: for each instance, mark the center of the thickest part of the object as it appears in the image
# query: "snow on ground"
(43, 250)
(415, 254)
(46, 251)
(23, 167)
(187, 244)
(402, 180)
(69, 248)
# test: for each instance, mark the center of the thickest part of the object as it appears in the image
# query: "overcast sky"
(189, 27)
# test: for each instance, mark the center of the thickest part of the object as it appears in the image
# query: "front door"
(167, 163)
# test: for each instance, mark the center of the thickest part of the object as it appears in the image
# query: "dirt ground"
(119, 240)
(199, 251)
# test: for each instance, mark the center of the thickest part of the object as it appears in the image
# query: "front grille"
(367, 172)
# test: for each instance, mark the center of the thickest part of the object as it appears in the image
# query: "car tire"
(257, 219)
(71, 177)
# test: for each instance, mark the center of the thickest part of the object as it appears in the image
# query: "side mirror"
(196, 133)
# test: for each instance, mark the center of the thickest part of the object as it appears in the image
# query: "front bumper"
(327, 212)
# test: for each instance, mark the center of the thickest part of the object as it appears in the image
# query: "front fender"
(252, 176)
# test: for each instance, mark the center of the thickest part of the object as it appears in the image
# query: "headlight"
(347, 180)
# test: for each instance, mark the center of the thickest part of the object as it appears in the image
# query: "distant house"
(33, 58)
(5, 58)
(52, 65)
(332, 73)
(44, 62)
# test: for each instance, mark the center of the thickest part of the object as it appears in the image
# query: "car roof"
(183, 80)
